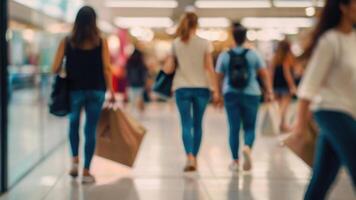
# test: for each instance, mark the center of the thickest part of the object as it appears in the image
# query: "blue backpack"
(239, 73)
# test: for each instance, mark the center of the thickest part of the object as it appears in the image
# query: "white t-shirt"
(330, 78)
(191, 72)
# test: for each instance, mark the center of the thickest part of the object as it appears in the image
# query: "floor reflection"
(191, 189)
(123, 189)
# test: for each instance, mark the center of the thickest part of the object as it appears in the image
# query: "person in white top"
(329, 88)
(194, 74)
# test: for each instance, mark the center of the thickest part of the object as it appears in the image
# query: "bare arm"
(57, 62)
(169, 65)
(209, 67)
(287, 70)
(265, 76)
(107, 66)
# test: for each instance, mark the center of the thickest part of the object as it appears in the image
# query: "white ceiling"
(108, 13)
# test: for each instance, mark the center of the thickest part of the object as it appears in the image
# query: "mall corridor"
(277, 175)
(177, 100)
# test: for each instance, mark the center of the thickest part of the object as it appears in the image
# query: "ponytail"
(188, 22)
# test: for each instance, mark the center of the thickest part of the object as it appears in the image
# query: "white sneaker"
(234, 167)
(88, 179)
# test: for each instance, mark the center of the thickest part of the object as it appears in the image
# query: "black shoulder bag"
(164, 82)
(59, 100)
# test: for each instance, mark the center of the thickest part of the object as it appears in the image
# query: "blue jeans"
(92, 102)
(336, 146)
(192, 103)
(241, 108)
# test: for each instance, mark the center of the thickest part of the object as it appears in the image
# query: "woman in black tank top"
(87, 64)
(283, 81)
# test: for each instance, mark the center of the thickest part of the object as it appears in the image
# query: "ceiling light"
(213, 35)
(310, 11)
(251, 35)
(142, 4)
(293, 4)
(148, 22)
(214, 22)
(276, 22)
(233, 4)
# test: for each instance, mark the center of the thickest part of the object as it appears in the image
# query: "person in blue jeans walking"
(329, 89)
(88, 71)
(193, 73)
(242, 103)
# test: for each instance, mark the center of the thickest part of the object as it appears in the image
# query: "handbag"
(164, 82)
(304, 146)
(119, 136)
(59, 99)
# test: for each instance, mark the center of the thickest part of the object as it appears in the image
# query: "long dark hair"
(282, 52)
(85, 28)
(188, 22)
(330, 18)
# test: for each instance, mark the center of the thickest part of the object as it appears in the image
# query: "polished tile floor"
(277, 175)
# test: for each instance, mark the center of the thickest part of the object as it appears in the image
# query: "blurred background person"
(194, 71)
(329, 85)
(89, 75)
(242, 103)
(283, 80)
(136, 72)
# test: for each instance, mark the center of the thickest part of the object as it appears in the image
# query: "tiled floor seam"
(60, 177)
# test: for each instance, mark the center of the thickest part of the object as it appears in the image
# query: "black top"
(85, 68)
(279, 80)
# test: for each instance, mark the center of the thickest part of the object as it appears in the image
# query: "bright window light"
(148, 22)
(233, 4)
(105, 26)
(214, 22)
(293, 4)
(275, 22)
(35, 4)
(141, 4)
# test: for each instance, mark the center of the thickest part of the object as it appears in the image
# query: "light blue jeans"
(92, 102)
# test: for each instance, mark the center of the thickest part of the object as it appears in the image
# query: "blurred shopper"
(329, 85)
(283, 80)
(88, 72)
(136, 77)
(193, 72)
(238, 69)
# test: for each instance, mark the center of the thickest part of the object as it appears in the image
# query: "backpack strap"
(232, 53)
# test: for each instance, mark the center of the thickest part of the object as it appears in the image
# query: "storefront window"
(32, 132)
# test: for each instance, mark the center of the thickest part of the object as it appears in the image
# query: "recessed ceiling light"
(310, 11)
(148, 22)
(142, 4)
(276, 22)
(233, 4)
(293, 4)
(212, 22)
